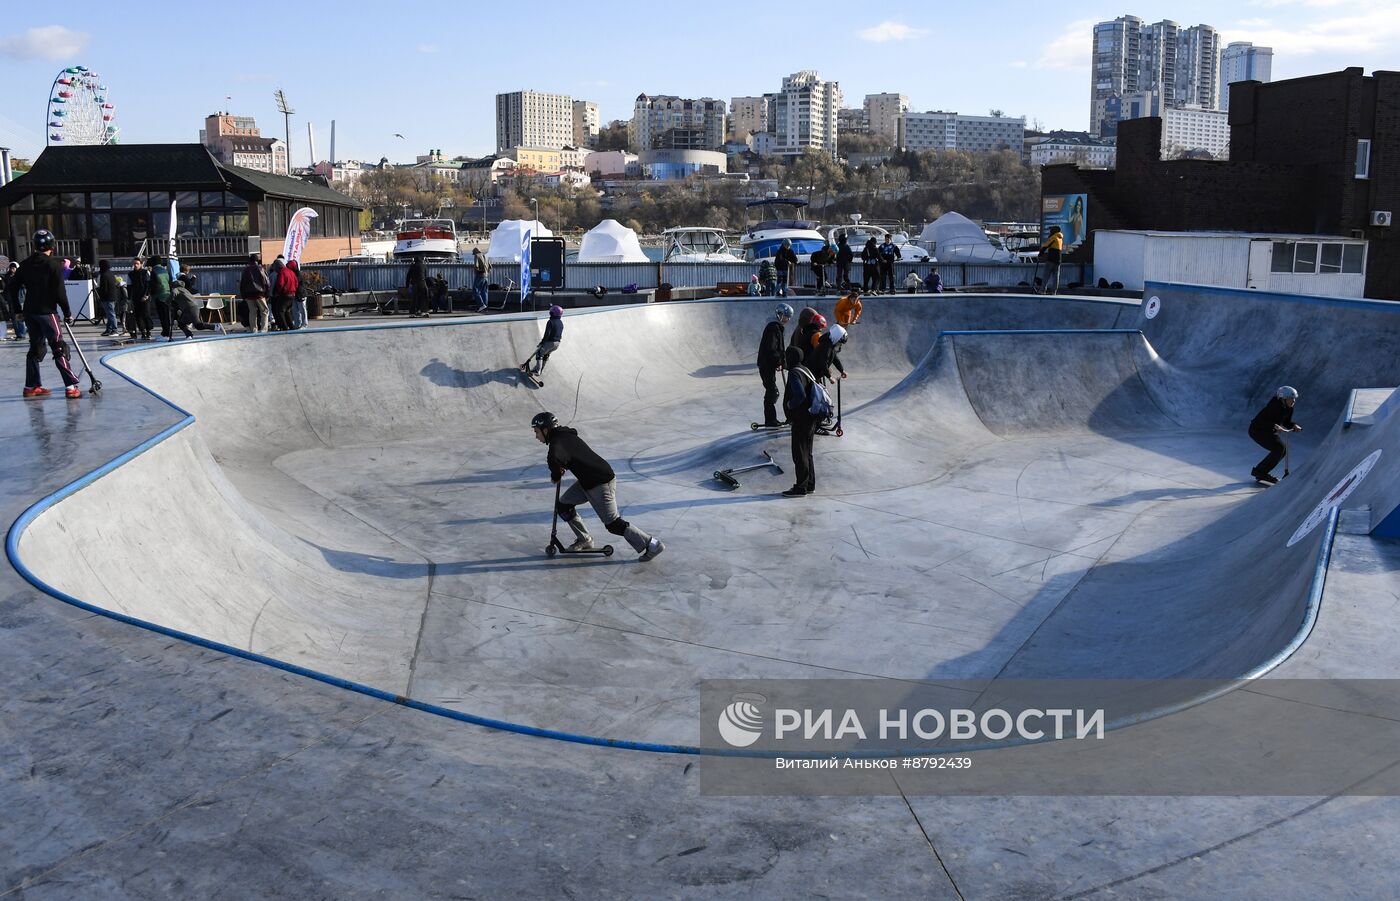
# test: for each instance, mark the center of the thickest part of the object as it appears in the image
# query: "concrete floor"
(370, 504)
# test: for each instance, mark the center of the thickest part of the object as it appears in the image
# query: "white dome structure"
(505, 240)
(954, 238)
(611, 242)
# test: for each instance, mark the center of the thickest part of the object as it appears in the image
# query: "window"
(1352, 257)
(1363, 158)
(45, 201)
(101, 200)
(1305, 257)
(129, 200)
(1331, 260)
(24, 203)
(1283, 257)
(187, 200)
(211, 199)
(102, 226)
(72, 201)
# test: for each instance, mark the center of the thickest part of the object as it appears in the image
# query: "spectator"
(889, 252)
(786, 261)
(416, 283)
(284, 291)
(298, 308)
(935, 282)
(254, 288)
(138, 291)
(481, 278)
(10, 301)
(822, 258)
(870, 265)
(768, 275)
(160, 295)
(844, 256)
(108, 293)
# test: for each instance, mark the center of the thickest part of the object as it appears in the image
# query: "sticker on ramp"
(1335, 497)
(1153, 307)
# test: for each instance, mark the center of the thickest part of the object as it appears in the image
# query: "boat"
(770, 220)
(859, 232)
(429, 240)
(954, 238)
(693, 244)
(611, 242)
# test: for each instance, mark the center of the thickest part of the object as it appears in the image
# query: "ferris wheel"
(79, 111)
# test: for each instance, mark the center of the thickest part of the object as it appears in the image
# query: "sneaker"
(219, 330)
(583, 544)
(71, 391)
(1264, 477)
(654, 549)
(41, 391)
(795, 491)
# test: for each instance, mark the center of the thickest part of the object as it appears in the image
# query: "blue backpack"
(820, 407)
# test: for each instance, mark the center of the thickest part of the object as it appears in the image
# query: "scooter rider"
(596, 483)
(41, 277)
(770, 360)
(553, 334)
(1266, 427)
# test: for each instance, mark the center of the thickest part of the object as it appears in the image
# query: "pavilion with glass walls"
(111, 201)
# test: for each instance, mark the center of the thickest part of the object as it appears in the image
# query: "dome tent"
(611, 242)
(505, 240)
(954, 238)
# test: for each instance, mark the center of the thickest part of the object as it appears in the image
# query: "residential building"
(237, 141)
(802, 116)
(572, 158)
(1242, 61)
(536, 159)
(746, 116)
(1180, 66)
(1307, 157)
(109, 199)
(1079, 148)
(433, 169)
(851, 121)
(764, 143)
(654, 115)
(951, 131)
(1191, 132)
(479, 174)
(342, 174)
(534, 119)
(611, 163)
(882, 112)
(586, 124)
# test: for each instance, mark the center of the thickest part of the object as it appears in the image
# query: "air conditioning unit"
(1381, 217)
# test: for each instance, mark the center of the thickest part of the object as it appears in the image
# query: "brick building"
(1313, 155)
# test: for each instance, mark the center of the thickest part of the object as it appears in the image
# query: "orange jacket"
(848, 310)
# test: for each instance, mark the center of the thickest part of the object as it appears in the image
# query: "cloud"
(1072, 49)
(52, 42)
(1253, 23)
(1019, 64)
(891, 31)
(1370, 28)
(427, 48)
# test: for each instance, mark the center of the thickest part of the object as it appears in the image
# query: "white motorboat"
(693, 244)
(860, 232)
(773, 219)
(430, 240)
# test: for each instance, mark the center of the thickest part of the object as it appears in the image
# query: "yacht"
(770, 220)
(696, 245)
(430, 240)
(860, 232)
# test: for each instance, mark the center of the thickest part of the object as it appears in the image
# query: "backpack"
(820, 408)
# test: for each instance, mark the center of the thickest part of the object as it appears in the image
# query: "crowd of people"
(777, 273)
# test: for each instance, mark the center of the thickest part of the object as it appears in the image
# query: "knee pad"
(565, 511)
(618, 526)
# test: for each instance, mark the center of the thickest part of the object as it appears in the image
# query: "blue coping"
(31, 513)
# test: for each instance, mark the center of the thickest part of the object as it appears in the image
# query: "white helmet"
(837, 334)
(1286, 392)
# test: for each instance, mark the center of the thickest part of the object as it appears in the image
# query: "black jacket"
(844, 254)
(416, 281)
(770, 346)
(42, 279)
(253, 282)
(138, 284)
(823, 357)
(785, 259)
(554, 329)
(870, 252)
(1275, 412)
(108, 291)
(568, 451)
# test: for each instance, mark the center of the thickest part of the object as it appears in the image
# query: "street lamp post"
(536, 202)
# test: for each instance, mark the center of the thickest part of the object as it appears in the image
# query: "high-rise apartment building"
(586, 123)
(882, 112)
(534, 119)
(803, 115)
(951, 131)
(1181, 66)
(653, 116)
(853, 122)
(1242, 61)
(746, 116)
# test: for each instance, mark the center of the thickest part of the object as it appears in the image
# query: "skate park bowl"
(1026, 487)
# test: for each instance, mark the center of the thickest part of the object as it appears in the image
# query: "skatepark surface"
(1025, 488)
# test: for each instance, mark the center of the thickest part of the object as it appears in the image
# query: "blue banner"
(525, 263)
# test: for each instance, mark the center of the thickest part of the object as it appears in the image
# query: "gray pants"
(604, 501)
(542, 355)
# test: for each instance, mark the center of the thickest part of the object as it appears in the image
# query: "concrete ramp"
(1026, 486)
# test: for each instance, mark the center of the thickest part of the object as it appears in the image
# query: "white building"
(852, 122)
(611, 163)
(746, 116)
(586, 123)
(1095, 153)
(1185, 130)
(1290, 264)
(573, 158)
(1242, 61)
(951, 131)
(655, 115)
(882, 112)
(534, 119)
(763, 143)
(803, 114)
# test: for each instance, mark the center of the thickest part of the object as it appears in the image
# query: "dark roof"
(143, 166)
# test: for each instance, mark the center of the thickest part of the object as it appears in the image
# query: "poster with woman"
(1069, 212)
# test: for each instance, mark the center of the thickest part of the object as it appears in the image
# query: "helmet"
(819, 321)
(1287, 392)
(544, 420)
(556, 311)
(837, 334)
(44, 240)
(805, 316)
(783, 311)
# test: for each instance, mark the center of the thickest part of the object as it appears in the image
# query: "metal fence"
(615, 276)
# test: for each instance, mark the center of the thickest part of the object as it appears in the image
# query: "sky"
(432, 72)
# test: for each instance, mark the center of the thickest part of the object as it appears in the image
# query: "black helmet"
(544, 420)
(44, 240)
